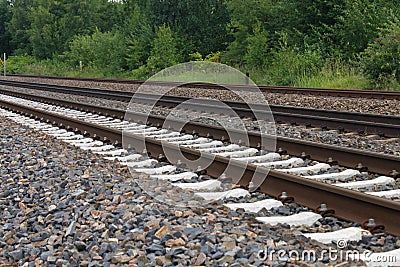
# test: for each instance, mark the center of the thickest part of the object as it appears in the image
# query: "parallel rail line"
(347, 157)
(347, 204)
(270, 89)
(363, 123)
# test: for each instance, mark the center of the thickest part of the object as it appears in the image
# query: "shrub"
(381, 60)
(196, 56)
(18, 64)
(163, 53)
(257, 49)
(99, 50)
(289, 63)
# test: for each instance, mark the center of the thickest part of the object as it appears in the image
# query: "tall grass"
(55, 67)
(343, 78)
(331, 75)
(334, 75)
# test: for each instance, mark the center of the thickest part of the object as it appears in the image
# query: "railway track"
(338, 199)
(270, 89)
(351, 158)
(382, 125)
(338, 181)
(233, 199)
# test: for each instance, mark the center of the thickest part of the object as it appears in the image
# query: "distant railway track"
(270, 89)
(346, 204)
(383, 125)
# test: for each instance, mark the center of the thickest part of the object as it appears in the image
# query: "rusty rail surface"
(347, 204)
(383, 125)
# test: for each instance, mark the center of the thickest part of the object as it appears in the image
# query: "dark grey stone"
(16, 254)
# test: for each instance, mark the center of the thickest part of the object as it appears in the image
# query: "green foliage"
(99, 50)
(19, 26)
(45, 27)
(289, 64)
(56, 67)
(245, 15)
(335, 74)
(196, 56)
(305, 21)
(310, 16)
(257, 55)
(42, 35)
(381, 60)
(17, 64)
(136, 38)
(213, 57)
(200, 23)
(163, 52)
(360, 23)
(5, 16)
(141, 34)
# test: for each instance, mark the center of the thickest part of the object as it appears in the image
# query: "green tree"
(312, 23)
(103, 15)
(290, 63)
(381, 60)
(43, 34)
(104, 51)
(163, 53)
(257, 55)
(47, 26)
(5, 17)
(360, 22)
(19, 26)
(306, 22)
(246, 16)
(200, 24)
(314, 15)
(140, 34)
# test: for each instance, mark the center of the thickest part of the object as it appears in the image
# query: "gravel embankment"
(61, 206)
(378, 106)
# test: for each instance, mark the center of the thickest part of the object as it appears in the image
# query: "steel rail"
(351, 121)
(351, 158)
(349, 205)
(271, 89)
